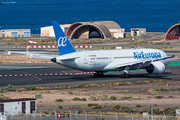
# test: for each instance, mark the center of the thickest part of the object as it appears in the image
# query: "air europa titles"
(142, 55)
(62, 41)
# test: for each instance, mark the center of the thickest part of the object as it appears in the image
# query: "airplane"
(101, 61)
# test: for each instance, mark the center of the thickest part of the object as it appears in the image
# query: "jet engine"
(156, 68)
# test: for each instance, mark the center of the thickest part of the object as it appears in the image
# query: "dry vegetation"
(123, 97)
(24, 41)
(16, 58)
(51, 41)
(151, 39)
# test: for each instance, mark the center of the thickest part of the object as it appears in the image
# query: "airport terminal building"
(15, 33)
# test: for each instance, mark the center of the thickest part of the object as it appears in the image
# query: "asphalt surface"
(172, 72)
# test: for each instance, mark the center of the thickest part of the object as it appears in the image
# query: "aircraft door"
(85, 65)
(85, 60)
(110, 58)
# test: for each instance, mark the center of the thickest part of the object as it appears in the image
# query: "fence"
(84, 116)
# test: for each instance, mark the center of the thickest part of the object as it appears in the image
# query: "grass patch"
(83, 99)
(152, 92)
(27, 88)
(125, 98)
(94, 106)
(38, 96)
(102, 97)
(113, 47)
(70, 92)
(158, 97)
(170, 97)
(83, 85)
(113, 98)
(79, 99)
(59, 100)
(167, 90)
(162, 89)
(48, 92)
(143, 42)
(99, 97)
(60, 107)
(9, 88)
(138, 105)
(168, 111)
(3, 97)
(117, 107)
(92, 98)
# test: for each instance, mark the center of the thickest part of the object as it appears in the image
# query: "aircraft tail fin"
(64, 45)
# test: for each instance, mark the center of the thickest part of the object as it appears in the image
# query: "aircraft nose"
(53, 59)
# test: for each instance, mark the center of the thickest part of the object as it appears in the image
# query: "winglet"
(63, 43)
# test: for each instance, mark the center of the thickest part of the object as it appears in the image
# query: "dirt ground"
(139, 94)
(15, 58)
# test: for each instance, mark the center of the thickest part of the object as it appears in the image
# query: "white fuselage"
(107, 60)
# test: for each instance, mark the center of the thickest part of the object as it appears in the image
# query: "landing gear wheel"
(125, 76)
(122, 75)
(101, 74)
(129, 76)
(98, 74)
(95, 75)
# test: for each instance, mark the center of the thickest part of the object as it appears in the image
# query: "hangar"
(99, 29)
(173, 32)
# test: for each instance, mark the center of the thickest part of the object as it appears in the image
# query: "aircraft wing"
(129, 63)
(34, 55)
(68, 58)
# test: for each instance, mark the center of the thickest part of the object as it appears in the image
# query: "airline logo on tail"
(62, 41)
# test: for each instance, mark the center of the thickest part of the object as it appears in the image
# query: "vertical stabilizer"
(63, 43)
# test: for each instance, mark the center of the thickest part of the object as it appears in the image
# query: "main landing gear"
(98, 74)
(126, 75)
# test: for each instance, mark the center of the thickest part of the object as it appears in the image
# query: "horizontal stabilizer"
(34, 55)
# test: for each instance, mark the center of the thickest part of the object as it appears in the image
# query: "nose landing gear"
(126, 75)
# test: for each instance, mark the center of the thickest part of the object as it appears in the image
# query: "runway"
(172, 72)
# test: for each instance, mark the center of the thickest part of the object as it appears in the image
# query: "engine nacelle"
(156, 68)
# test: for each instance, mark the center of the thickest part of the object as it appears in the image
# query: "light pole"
(151, 107)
